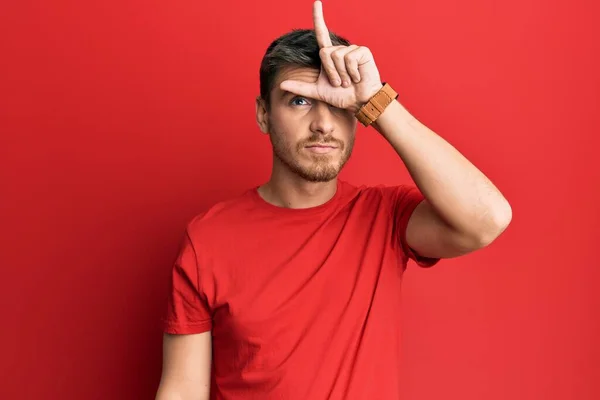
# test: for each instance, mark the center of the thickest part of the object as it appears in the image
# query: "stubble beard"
(320, 167)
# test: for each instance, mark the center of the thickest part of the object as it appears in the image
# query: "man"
(291, 291)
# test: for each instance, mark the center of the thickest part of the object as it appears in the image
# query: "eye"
(297, 101)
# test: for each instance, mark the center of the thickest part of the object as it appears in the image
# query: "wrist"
(365, 98)
(393, 119)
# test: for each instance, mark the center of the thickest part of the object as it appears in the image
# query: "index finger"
(321, 30)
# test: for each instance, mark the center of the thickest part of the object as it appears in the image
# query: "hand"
(348, 77)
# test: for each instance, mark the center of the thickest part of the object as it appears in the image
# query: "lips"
(321, 148)
(330, 145)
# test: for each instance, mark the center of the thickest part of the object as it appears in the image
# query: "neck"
(286, 189)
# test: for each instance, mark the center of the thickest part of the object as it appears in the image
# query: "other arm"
(186, 367)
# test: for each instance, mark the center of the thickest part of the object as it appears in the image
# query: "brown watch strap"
(369, 112)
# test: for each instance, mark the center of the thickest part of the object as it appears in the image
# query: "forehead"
(297, 73)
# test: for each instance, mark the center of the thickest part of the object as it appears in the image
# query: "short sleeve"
(406, 199)
(187, 307)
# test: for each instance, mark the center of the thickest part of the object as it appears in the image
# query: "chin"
(320, 173)
(318, 178)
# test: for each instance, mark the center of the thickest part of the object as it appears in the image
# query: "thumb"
(299, 88)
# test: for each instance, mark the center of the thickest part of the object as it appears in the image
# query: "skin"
(462, 211)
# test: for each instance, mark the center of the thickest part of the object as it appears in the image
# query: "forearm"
(178, 391)
(166, 395)
(459, 192)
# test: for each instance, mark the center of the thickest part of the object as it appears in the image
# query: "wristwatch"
(369, 112)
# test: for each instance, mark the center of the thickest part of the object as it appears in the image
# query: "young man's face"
(310, 138)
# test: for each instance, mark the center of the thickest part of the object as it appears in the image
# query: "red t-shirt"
(302, 303)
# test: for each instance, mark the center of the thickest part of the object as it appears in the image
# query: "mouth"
(321, 148)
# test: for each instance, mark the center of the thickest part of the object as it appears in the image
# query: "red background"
(120, 120)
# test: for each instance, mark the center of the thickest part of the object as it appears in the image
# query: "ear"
(262, 115)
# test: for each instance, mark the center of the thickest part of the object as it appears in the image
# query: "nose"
(323, 120)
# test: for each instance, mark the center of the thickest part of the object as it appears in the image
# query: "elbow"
(499, 219)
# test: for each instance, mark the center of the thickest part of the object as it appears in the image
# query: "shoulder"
(385, 194)
(221, 217)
